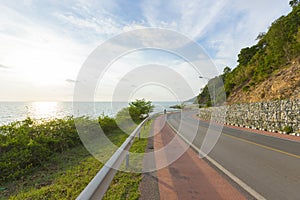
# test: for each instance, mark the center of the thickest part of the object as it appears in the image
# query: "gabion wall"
(271, 116)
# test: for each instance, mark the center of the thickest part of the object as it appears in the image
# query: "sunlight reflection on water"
(15, 111)
(43, 109)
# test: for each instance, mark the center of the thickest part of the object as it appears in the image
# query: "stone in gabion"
(273, 115)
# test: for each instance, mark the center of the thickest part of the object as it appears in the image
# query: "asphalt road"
(269, 165)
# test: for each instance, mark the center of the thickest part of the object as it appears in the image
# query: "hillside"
(282, 84)
(268, 70)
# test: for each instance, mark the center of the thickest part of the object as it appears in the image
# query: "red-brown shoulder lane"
(189, 177)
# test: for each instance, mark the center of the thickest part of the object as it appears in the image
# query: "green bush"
(246, 88)
(140, 109)
(137, 111)
(288, 129)
(107, 124)
(26, 144)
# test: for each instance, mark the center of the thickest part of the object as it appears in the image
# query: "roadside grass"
(63, 176)
(125, 184)
(66, 174)
(64, 182)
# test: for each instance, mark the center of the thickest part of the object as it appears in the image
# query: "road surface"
(184, 176)
(269, 165)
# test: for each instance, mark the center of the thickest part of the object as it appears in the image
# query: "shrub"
(140, 109)
(107, 124)
(288, 129)
(246, 88)
(26, 144)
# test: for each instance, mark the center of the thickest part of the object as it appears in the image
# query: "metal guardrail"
(100, 183)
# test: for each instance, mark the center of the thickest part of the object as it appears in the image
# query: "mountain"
(268, 70)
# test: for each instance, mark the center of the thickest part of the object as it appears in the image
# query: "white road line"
(225, 171)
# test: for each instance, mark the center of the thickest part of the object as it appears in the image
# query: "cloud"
(46, 42)
(222, 27)
(95, 21)
(28, 2)
(4, 67)
(190, 18)
(103, 26)
(240, 22)
(71, 81)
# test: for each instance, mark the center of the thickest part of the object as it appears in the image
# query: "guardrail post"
(139, 134)
(127, 159)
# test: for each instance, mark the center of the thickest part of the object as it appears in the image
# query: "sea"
(16, 111)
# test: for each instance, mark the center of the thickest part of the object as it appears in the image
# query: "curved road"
(269, 165)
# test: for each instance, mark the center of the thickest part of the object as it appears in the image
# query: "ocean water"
(15, 111)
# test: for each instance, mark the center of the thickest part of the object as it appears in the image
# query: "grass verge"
(125, 184)
(66, 174)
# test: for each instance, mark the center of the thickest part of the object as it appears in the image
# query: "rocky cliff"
(282, 84)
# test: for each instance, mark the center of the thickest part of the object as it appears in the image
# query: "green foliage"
(260, 36)
(125, 185)
(288, 129)
(214, 90)
(226, 71)
(294, 3)
(246, 88)
(246, 55)
(66, 174)
(181, 106)
(140, 109)
(274, 50)
(208, 104)
(63, 176)
(107, 124)
(36, 161)
(277, 48)
(137, 111)
(204, 96)
(26, 144)
(123, 117)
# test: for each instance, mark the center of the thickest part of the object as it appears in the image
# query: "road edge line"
(238, 181)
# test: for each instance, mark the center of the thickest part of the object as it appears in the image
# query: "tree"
(294, 3)
(274, 50)
(226, 70)
(260, 36)
(140, 109)
(246, 55)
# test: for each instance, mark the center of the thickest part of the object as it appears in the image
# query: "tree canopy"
(140, 109)
(274, 50)
(294, 3)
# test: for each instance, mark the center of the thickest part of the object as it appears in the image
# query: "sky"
(44, 44)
